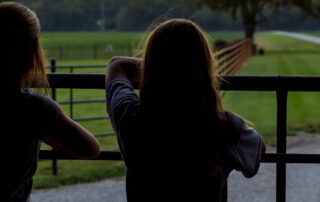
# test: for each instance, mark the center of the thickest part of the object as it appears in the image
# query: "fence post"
(71, 98)
(53, 95)
(281, 144)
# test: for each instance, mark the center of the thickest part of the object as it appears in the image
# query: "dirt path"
(304, 37)
(303, 182)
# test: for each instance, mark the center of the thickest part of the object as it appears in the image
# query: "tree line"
(137, 15)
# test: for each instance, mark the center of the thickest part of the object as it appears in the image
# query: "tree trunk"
(249, 14)
(250, 28)
(249, 33)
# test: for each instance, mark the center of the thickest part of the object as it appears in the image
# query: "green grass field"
(99, 45)
(89, 45)
(284, 56)
(315, 33)
(117, 39)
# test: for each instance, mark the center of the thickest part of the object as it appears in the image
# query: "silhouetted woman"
(28, 117)
(177, 142)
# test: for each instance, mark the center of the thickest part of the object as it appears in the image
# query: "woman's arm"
(72, 139)
(248, 148)
(124, 67)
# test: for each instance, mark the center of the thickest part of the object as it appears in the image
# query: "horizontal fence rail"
(279, 84)
(77, 66)
(116, 156)
(82, 101)
(231, 58)
(232, 83)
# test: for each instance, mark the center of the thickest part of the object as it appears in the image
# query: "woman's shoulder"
(228, 116)
(233, 121)
(34, 96)
(39, 101)
(236, 130)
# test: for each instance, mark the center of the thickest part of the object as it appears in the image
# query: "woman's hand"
(124, 67)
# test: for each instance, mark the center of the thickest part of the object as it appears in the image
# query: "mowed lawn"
(100, 45)
(283, 56)
(314, 33)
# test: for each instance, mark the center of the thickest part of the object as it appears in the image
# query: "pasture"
(283, 56)
(98, 45)
(315, 33)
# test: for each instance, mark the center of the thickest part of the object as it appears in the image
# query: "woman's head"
(21, 56)
(178, 67)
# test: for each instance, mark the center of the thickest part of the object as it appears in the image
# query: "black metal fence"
(279, 84)
(54, 68)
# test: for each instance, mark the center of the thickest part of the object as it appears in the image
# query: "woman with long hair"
(29, 117)
(177, 141)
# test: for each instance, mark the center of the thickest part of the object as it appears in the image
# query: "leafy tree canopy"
(251, 11)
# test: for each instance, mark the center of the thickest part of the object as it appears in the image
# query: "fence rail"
(53, 67)
(116, 156)
(232, 82)
(279, 84)
(73, 66)
(230, 59)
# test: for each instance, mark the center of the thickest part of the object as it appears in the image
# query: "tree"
(251, 11)
(139, 15)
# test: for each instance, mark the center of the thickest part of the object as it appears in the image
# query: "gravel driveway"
(303, 182)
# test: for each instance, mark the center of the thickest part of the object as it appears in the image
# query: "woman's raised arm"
(69, 137)
(124, 67)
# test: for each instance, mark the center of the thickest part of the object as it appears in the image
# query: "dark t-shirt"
(176, 163)
(28, 116)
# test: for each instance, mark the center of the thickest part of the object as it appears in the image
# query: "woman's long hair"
(181, 110)
(22, 58)
(179, 71)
